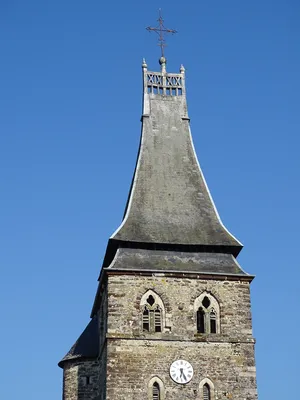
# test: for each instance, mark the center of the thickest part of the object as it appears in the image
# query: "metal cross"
(161, 30)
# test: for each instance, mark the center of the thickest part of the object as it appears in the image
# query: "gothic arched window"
(152, 321)
(152, 314)
(206, 390)
(156, 390)
(207, 314)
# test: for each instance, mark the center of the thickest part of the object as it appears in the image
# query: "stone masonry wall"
(178, 295)
(132, 363)
(81, 380)
(134, 357)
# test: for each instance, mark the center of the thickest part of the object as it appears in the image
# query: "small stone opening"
(87, 380)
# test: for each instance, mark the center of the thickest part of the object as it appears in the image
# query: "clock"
(181, 371)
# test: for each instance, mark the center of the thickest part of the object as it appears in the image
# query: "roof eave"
(114, 244)
(75, 359)
(198, 275)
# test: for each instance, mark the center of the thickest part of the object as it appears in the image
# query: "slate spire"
(169, 204)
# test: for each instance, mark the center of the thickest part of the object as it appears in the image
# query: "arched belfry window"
(152, 316)
(152, 312)
(206, 390)
(156, 390)
(207, 312)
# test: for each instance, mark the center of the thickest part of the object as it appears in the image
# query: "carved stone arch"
(199, 303)
(157, 297)
(163, 296)
(166, 302)
(158, 304)
(209, 291)
(159, 382)
(214, 302)
(214, 293)
(209, 383)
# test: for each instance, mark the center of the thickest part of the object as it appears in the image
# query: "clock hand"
(184, 377)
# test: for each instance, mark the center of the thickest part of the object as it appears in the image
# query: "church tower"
(171, 317)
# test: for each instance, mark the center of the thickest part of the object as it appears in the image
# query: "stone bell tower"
(171, 317)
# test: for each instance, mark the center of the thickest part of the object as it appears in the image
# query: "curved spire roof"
(169, 201)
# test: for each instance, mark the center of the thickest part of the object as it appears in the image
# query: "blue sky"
(70, 102)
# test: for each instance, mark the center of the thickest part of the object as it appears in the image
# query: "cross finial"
(161, 30)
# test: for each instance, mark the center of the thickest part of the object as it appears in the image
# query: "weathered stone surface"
(125, 293)
(134, 357)
(131, 365)
(81, 380)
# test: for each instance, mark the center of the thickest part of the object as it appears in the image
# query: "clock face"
(181, 371)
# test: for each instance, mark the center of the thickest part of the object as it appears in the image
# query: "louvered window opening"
(146, 325)
(206, 318)
(152, 316)
(152, 319)
(157, 320)
(155, 391)
(200, 321)
(206, 392)
(213, 322)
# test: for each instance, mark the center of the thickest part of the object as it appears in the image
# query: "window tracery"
(207, 314)
(152, 312)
